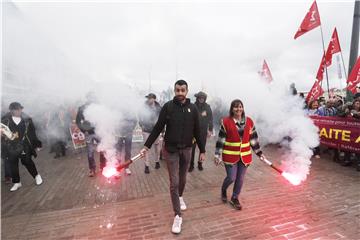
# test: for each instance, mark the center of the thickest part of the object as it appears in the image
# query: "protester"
(58, 127)
(147, 121)
(293, 90)
(237, 136)
(329, 108)
(313, 109)
(5, 161)
(352, 111)
(206, 125)
(128, 125)
(181, 119)
(91, 139)
(23, 146)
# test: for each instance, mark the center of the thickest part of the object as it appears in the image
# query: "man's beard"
(180, 97)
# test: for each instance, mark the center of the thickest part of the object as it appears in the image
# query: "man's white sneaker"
(176, 227)
(127, 171)
(15, 187)
(38, 180)
(182, 204)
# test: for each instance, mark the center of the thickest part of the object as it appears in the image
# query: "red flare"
(109, 171)
(294, 180)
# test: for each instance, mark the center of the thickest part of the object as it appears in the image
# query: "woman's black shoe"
(235, 203)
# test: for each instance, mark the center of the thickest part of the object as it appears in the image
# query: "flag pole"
(342, 59)
(327, 78)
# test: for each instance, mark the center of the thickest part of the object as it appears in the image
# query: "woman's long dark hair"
(236, 103)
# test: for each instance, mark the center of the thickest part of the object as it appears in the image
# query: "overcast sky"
(209, 44)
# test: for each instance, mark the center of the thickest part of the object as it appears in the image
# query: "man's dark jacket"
(182, 124)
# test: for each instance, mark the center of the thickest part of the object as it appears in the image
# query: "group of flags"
(311, 21)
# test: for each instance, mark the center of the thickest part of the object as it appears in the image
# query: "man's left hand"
(209, 134)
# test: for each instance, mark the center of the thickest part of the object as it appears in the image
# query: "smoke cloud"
(54, 53)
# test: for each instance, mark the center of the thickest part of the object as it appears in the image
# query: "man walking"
(182, 124)
(23, 145)
(206, 125)
(147, 121)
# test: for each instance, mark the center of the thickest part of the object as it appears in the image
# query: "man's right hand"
(143, 151)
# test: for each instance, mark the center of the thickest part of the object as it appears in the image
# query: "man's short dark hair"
(180, 83)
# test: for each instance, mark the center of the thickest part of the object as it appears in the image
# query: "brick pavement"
(69, 205)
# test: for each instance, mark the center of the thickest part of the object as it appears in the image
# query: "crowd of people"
(174, 130)
(336, 106)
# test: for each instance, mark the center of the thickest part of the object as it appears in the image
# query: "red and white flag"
(320, 72)
(311, 21)
(334, 47)
(354, 77)
(315, 92)
(265, 73)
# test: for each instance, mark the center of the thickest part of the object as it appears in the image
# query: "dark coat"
(30, 139)
(84, 125)
(149, 116)
(206, 117)
(182, 124)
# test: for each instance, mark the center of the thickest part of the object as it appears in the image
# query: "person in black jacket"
(23, 145)
(91, 139)
(206, 125)
(182, 124)
(5, 155)
(147, 120)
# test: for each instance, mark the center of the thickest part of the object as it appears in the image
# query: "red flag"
(265, 72)
(315, 92)
(311, 21)
(354, 77)
(320, 72)
(334, 47)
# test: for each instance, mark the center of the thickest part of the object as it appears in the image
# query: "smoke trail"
(279, 118)
(114, 115)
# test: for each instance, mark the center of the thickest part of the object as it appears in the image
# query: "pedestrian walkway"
(70, 205)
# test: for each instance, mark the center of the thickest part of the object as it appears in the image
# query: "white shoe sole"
(175, 232)
(15, 189)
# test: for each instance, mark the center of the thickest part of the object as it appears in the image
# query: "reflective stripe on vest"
(245, 145)
(231, 152)
(232, 144)
(246, 153)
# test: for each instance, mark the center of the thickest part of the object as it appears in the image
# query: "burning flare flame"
(294, 180)
(109, 171)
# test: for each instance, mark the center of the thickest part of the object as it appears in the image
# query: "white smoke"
(115, 104)
(278, 116)
(63, 58)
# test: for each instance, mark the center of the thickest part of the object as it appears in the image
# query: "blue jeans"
(124, 143)
(234, 173)
(91, 143)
